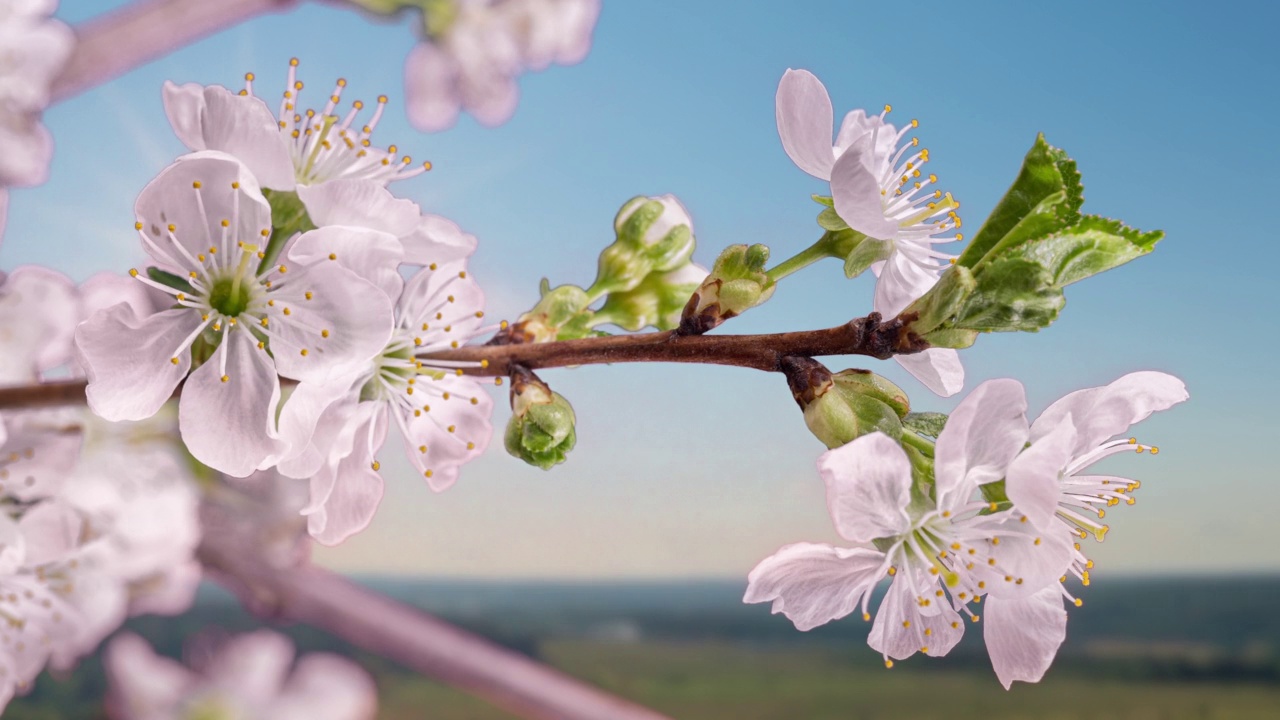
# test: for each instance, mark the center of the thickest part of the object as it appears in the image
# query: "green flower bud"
(657, 301)
(842, 407)
(541, 430)
(621, 267)
(558, 308)
(736, 284)
(659, 227)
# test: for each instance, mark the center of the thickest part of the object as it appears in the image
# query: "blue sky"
(703, 471)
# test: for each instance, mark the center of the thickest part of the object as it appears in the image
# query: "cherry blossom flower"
(943, 552)
(442, 415)
(293, 147)
(33, 49)
(39, 309)
(203, 220)
(878, 190)
(1047, 481)
(472, 63)
(251, 676)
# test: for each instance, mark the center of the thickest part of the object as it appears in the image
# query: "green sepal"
(828, 219)
(865, 254)
(1046, 170)
(737, 283)
(1011, 294)
(1093, 245)
(541, 430)
(995, 492)
(925, 423)
(824, 200)
(942, 301)
(288, 217)
(952, 338)
(168, 279)
(923, 497)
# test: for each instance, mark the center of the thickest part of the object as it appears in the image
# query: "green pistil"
(229, 297)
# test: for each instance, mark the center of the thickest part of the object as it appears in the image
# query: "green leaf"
(951, 338)
(170, 280)
(829, 220)
(1046, 170)
(1092, 246)
(925, 423)
(865, 254)
(1012, 294)
(824, 200)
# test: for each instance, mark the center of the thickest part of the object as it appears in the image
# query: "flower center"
(230, 296)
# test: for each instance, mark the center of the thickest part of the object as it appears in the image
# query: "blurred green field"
(715, 681)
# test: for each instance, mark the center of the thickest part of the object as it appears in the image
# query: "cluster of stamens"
(325, 146)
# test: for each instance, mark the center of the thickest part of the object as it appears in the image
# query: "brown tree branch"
(115, 43)
(869, 336)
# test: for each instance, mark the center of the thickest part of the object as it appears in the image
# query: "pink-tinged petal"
(359, 203)
(814, 584)
(13, 546)
(51, 531)
(371, 254)
(227, 191)
(900, 281)
(1034, 478)
(42, 449)
(938, 369)
(345, 423)
(490, 97)
(327, 687)
(981, 437)
(430, 88)
(446, 297)
(106, 289)
(39, 310)
(868, 487)
(128, 361)
(310, 421)
(857, 124)
(171, 592)
(243, 126)
(357, 487)
(1025, 561)
(437, 240)
(230, 426)
(899, 628)
(356, 314)
(856, 192)
(452, 432)
(143, 684)
(25, 161)
(1023, 635)
(252, 667)
(184, 106)
(805, 122)
(1125, 402)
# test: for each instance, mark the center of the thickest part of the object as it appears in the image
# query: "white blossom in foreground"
(39, 309)
(337, 428)
(878, 190)
(943, 552)
(471, 63)
(309, 317)
(252, 676)
(33, 49)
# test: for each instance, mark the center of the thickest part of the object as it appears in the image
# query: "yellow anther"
(888, 108)
(133, 272)
(893, 571)
(428, 474)
(308, 295)
(173, 360)
(484, 363)
(262, 345)
(993, 507)
(196, 184)
(235, 185)
(225, 378)
(376, 465)
(888, 663)
(975, 618)
(915, 123)
(906, 623)
(137, 226)
(432, 266)
(172, 227)
(1079, 602)
(303, 352)
(471, 446)
(333, 256)
(287, 311)
(995, 541)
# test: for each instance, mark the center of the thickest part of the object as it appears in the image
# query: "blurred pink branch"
(411, 637)
(115, 43)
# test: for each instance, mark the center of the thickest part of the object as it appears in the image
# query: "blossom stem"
(409, 636)
(802, 259)
(115, 43)
(870, 336)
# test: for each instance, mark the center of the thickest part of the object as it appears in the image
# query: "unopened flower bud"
(657, 301)
(541, 430)
(736, 284)
(557, 309)
(938, 306)
(659, 227)
(847, 405)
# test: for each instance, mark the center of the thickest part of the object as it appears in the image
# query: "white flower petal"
(805, 122)
(1019, 557)
(51, 531)
(1103, 412)
(814, 584)
(326, 687)
(447, 297)
(230, 426)
(359, 203)
(899, 628)
(356, 314)
(39, 310)
(184, 106)
(981, 437)
(1033, 481)
(227, 190)
(128, 360)
(356, 488)
(239, 125)
(310, 421)
(143, 684)
(868, 487)
(938, 369)
(371, 254)
(42, 448)
(252, 667)
(452, 433)
(855, 189)
(1023, 635)
(437, 240)
(430, 88)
